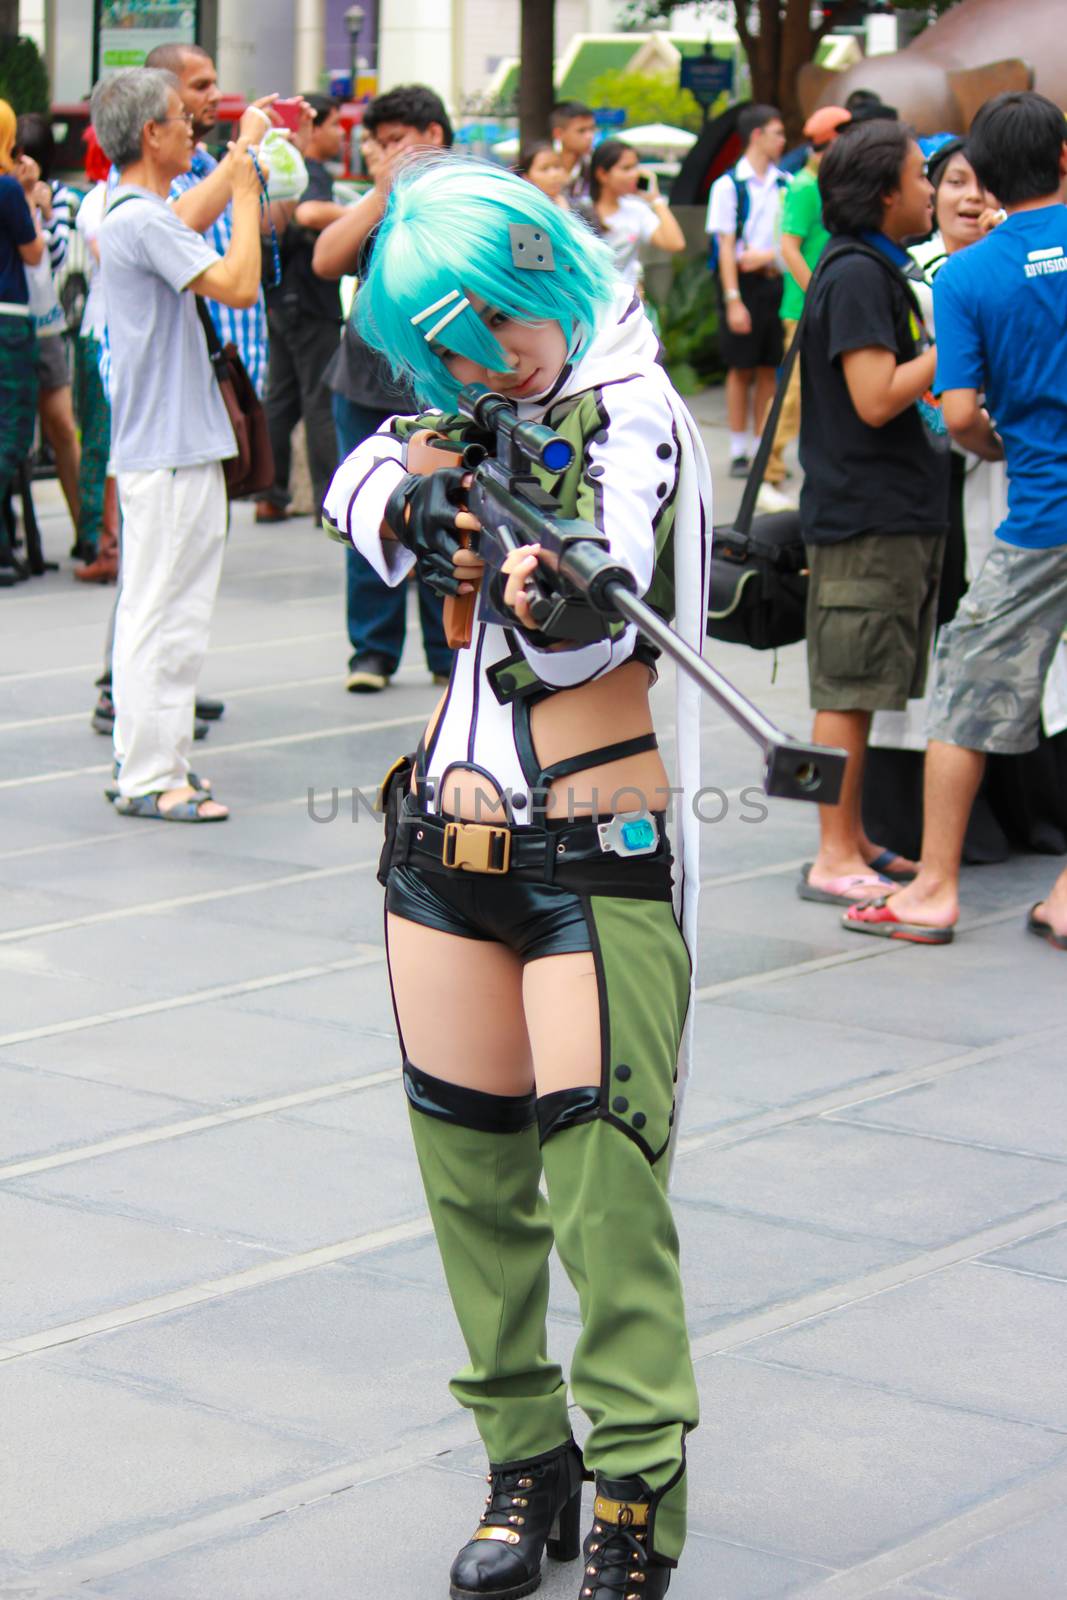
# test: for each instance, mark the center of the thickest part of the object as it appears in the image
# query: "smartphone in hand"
(644, 182)
(287, 113)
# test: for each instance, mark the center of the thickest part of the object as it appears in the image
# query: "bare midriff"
(568, 723)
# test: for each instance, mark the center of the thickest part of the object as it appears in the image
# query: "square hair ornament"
(531, 248)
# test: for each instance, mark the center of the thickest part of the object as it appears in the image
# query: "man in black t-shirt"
(304, 320)
(874, 506)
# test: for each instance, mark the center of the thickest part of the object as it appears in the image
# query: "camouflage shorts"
(993, 657)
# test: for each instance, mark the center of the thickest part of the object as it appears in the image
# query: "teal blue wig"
(446, 229)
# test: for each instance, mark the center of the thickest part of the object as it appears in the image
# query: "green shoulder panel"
(577, 420)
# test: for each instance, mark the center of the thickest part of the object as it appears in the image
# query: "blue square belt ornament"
(632, 833)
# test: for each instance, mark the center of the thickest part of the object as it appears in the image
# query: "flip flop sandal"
(878, 918)
(880, 865)
(112, 790)
(883, 863)
(835, 893)
(147, 805)
(1045, 930)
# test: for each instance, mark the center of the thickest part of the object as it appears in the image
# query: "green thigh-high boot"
(605, 1161)
(481, 1166)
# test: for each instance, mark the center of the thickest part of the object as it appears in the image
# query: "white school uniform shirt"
(760, 231)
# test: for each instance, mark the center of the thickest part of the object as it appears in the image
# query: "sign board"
(706, 78)
(609, 117)
(126, 30)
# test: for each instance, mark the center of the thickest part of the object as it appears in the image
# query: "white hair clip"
(442, 322)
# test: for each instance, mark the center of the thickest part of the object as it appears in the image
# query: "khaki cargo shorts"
(994, 656)
(872, 604)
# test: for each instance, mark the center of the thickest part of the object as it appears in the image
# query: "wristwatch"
(731, 294)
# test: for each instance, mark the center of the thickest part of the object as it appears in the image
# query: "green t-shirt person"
(802, 217)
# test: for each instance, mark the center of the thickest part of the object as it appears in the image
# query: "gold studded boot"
(532, 1507)
(618, 1562)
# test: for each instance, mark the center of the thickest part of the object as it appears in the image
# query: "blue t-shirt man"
(1000, 308)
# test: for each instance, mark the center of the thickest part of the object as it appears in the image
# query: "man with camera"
(170, 430)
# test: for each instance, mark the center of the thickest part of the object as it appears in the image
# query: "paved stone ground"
(224, 1341)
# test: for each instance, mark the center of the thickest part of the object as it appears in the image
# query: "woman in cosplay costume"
(540, 974)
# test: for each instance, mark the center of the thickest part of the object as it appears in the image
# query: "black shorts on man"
(761, 293)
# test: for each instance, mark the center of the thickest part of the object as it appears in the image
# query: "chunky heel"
(532, 1505)
(564, 1542)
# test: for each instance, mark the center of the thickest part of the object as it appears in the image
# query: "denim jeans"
(377, 615)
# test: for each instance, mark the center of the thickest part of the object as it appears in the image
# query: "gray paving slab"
(775, 1060)
(96, 1462)
(359, 997)
(40, 991)
(931, 993)
(44, 1112)
(905, 1591)
(824, 1470)
(1029, 1560)
(873, 1184)
(315, 1356)
(218, 1053)
(21, 907)
(149, 967)
(970, 1336)
(1045, 1253)
(1019, 1103)
(282, 1184)
(333, 1550)
(796, 1472)
(60, 1263)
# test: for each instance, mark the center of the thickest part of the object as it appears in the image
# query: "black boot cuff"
(564, 1108)
(468, 1108)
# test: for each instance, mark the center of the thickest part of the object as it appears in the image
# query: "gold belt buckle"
(476, 847)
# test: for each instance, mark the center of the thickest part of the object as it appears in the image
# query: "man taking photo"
(170, 431)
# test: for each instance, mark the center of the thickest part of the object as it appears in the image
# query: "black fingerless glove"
(421, 512)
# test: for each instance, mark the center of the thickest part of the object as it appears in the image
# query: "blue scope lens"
(557, 455)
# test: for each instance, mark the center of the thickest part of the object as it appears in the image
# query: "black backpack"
(759, 579)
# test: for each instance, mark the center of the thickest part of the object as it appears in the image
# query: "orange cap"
(824, 124)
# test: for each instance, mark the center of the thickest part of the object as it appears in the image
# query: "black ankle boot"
(532, 1506)
(618, 1565)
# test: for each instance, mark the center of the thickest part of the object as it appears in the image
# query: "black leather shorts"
(540, 907)
(533, 919)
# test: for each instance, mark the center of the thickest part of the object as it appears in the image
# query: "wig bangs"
(446, 237)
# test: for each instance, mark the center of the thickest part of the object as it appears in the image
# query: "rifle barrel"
(792, 769)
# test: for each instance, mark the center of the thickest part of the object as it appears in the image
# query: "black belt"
(489, 848)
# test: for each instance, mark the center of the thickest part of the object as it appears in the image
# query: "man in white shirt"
(742, 226)
(170, 431)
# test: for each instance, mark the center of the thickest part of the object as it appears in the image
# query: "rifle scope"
(495, 413)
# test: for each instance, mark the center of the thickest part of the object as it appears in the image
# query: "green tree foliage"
(23, 76)
(646, 97)
(778, 37)
(689, 327)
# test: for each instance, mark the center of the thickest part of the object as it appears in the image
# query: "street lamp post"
(354, 18)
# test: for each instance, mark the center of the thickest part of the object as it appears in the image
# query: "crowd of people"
(898, 509)
(934, 513)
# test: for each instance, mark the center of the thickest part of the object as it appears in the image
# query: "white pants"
(173, 537)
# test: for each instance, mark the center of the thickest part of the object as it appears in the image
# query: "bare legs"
(1054, 909)
(951, 781)
(471, 1013)
(840, 828)
(57, 420)
(738, 385)
(749, 392)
